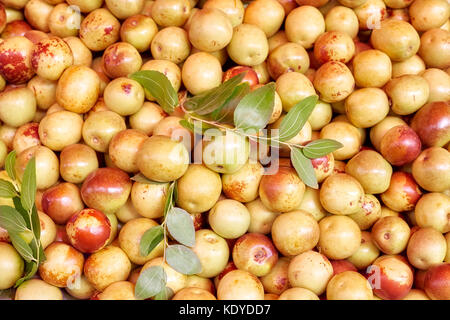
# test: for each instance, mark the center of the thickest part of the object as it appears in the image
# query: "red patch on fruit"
(32, 131)
(13, 67)
(16, 28)
(113, 57)
(432, 122)
(321, 162)
(390, 285)
(110, 181)
(260, 255)
(250, 77)
(411, 189)
(437, 282)
(324, 55)
(229, 267)
(340, 266)
(95, 296)
(4, 236)
(368, 207)
(390, 289)
(108, 30)
(280, 283)
(235, 190)
(199, 220)
(126, 87)
(40, 50)
(90, 237)
(61, 235)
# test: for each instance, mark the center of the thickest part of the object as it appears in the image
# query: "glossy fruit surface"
(88, 230)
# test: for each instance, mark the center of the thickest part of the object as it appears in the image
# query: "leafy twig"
(230, 107)
(179, 224)
(22, 221)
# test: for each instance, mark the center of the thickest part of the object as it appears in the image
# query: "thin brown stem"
(250, 136)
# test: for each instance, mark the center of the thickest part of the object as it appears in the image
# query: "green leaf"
(188, 125)
(196, 127)
(150, 239)
(320, 148)
(164, 294)
(30, 270)
(183, 259)
(7, 189)
(41, 253)
(10, 165)
(22, 247)
(175, 192)
(170, 200)
(255, 109)
(22, 211)
(28, 190)
(151, 281)
(181, 226)
(225, 113)
(159, 86)
(213, 99)
(143, 179)
(12, 220)
(268, 141)
(296, 118)
(36, 246)
(36, 222)
(304, 168)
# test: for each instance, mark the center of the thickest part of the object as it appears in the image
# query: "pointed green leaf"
(41, 253)
(36, 245)
(30, 270)
(36, 223)
(304, 168)
(255, 109)
(211, 100)
(150, 282)
(22, 211)
(320, 148)
(164, 294)
(22, 247)
(183, 259)
(197, 127)
(36, 248)
(168, 205)
(225, 113)
(7, 189)
(10, 165)
(150, 239)
(175, 192)
(159, 86)
(181, 226)
(28, 191)
(188, 125)
(12, 220)
(296, 118)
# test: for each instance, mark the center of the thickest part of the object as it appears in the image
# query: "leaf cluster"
(22, 220)
(234, 103)
(179, 225)
(231, 103)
